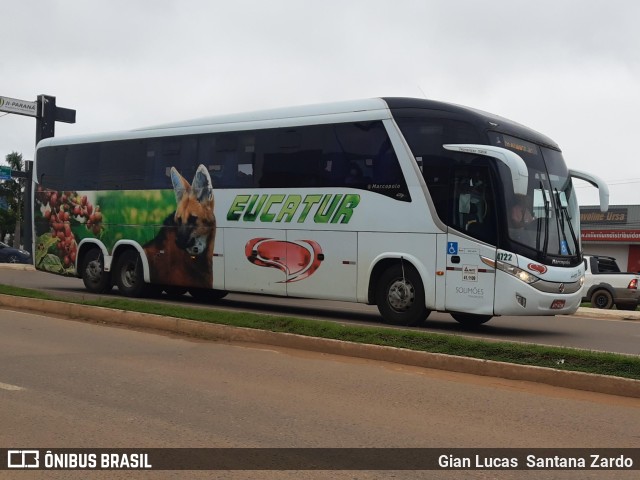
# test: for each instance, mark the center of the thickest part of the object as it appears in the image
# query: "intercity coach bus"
(409, 204)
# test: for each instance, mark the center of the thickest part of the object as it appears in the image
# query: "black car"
(13, 255)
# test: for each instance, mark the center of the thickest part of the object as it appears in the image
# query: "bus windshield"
(546, 218)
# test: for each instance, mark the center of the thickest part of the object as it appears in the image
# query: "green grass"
(559, 358)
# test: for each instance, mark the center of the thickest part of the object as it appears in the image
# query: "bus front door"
(470, 284)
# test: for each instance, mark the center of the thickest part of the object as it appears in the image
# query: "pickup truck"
(605, 285)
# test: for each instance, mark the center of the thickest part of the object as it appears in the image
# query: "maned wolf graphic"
(182, 252)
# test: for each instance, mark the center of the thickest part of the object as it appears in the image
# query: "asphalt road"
(612, 335)
(72, 384)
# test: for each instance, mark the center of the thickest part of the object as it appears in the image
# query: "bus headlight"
(520, 274)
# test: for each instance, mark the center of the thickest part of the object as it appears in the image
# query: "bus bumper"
(515, 297)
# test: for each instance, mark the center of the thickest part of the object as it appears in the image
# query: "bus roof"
(372, 108)
(483, 120)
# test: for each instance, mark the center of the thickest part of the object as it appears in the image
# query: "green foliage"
(135, 215)
(12, 190)
(47, 258)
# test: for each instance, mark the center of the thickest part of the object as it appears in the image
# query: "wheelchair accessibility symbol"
(452, 248)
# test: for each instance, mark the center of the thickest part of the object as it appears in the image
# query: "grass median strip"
(559, 358)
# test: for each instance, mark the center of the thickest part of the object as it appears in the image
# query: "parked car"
(605, 285)
(13, 255)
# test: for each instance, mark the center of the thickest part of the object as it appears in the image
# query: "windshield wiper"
(547, 211)
(564, 214)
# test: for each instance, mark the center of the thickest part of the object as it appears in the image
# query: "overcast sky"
(569, 69)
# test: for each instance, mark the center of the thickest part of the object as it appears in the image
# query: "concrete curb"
(17, 266)
(560, 378)
(602, 313)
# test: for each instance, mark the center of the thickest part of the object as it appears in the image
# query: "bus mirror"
(515, 163)
(603, 188)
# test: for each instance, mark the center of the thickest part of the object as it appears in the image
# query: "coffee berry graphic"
(60, 209)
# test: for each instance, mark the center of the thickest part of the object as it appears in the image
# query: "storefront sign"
(596, 217)
(618, 236)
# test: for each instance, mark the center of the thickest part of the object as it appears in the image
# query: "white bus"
(413, 205)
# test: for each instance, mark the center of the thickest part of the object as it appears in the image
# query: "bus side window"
(164, 153)
(218, 153)
(118, 157)
(366, 160)
(79, 170)
(229, 158)
(243, 168)
(51, 168)
(291, 157)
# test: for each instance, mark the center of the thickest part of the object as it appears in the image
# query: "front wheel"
(400, 296)
(470, 319)
(129, 274)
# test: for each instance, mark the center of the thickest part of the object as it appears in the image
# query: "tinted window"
(121, 165)
(292, 157)
(163, 153)
(80, 167)
(426, 137)
(229, 157)
(51, 166)
(354, 155)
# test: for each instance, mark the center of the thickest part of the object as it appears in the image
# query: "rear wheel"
(602, 299)
(470, 319)
(129, 274)
(400, 296)
(95, 279)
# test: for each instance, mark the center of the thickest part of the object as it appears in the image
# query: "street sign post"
(21, 107)
(46, 113)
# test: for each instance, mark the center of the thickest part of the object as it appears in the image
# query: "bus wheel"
(207, 295)
(95, 279)
(129, 275)
(602, 299)
(400, 296)
(470, 320)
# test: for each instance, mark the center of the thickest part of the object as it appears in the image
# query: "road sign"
(5, 173)
(21, 107)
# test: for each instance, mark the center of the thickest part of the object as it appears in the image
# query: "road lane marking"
(7, 386)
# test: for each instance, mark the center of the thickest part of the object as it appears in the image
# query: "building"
(615, 233)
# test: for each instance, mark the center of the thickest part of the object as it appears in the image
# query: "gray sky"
(570, 69)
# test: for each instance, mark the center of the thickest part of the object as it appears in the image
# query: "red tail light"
(633, 284)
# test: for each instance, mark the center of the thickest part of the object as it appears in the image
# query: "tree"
(13, 193)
